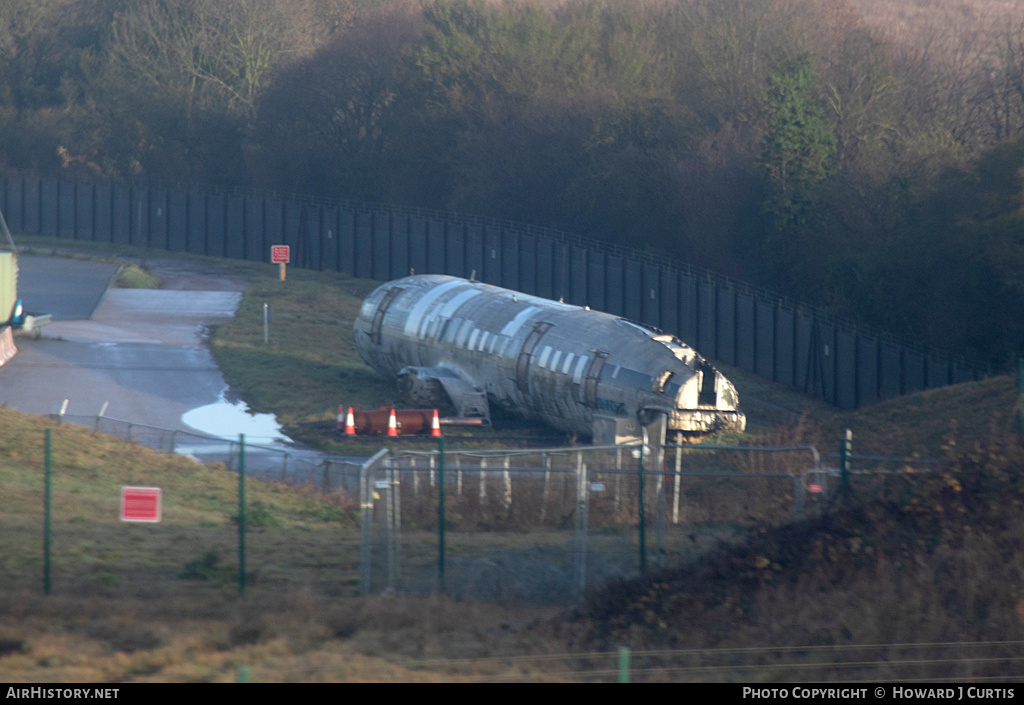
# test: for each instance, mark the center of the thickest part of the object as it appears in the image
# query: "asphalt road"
(142, 352)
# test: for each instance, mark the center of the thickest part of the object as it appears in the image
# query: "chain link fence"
(544, 526)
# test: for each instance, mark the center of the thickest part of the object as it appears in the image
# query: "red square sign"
(280, 253)
(140, 504)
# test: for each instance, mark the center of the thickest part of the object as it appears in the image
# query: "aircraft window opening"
(661, 381)
(472, 338)
(554, 360)
(707, 396)
(542, 362)
(482, 341)
(577, 374)
(568, 363)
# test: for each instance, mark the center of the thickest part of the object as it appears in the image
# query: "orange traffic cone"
(392, 424)
(435, 426)
(350, 423)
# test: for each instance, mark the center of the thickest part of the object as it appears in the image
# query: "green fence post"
(47, 463)
(241, 514)
(440, 516)
(624, 664)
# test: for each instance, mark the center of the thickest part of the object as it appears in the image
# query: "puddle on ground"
(226, 419)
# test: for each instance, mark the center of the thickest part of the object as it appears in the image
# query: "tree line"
(784, 142)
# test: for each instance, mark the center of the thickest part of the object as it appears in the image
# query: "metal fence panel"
(435, 246)
(455, 251)
(528, 264)
(913, 371)
(808, 378)
(316, 230)
(746, 330)
(492, 255)
(827, 346)
(292, 226)
(13, 208)
(30, 201)
(938, 371)
(399, 246)
(234, 227)
(475, 247)
(255, 229)
(650, 304)
(632, 289)
(273, 227)
(545, 268)
(614, 285)
(962, 372)
(867, 370)
(66, 210)
(158, 218)
(364, 244)
(216, 225)
(578, 276)
(890, 372)
(596, 278)
(725, 339)
(785, 351)
(197, 227)
(418, 244)
(84, 206)
(688, 309)
(510, 259)
(846, 370)
(381, 246)
(669, 296)
(49, 214)
(764, 362)
(121, 214)
(707, 319)
(102, 216)
(177, 221)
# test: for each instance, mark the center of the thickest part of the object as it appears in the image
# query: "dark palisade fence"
(724, 319)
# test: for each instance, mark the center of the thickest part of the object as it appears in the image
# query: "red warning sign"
(140, 504)
(280, 253)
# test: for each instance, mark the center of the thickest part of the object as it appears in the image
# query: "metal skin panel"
(566, 366)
